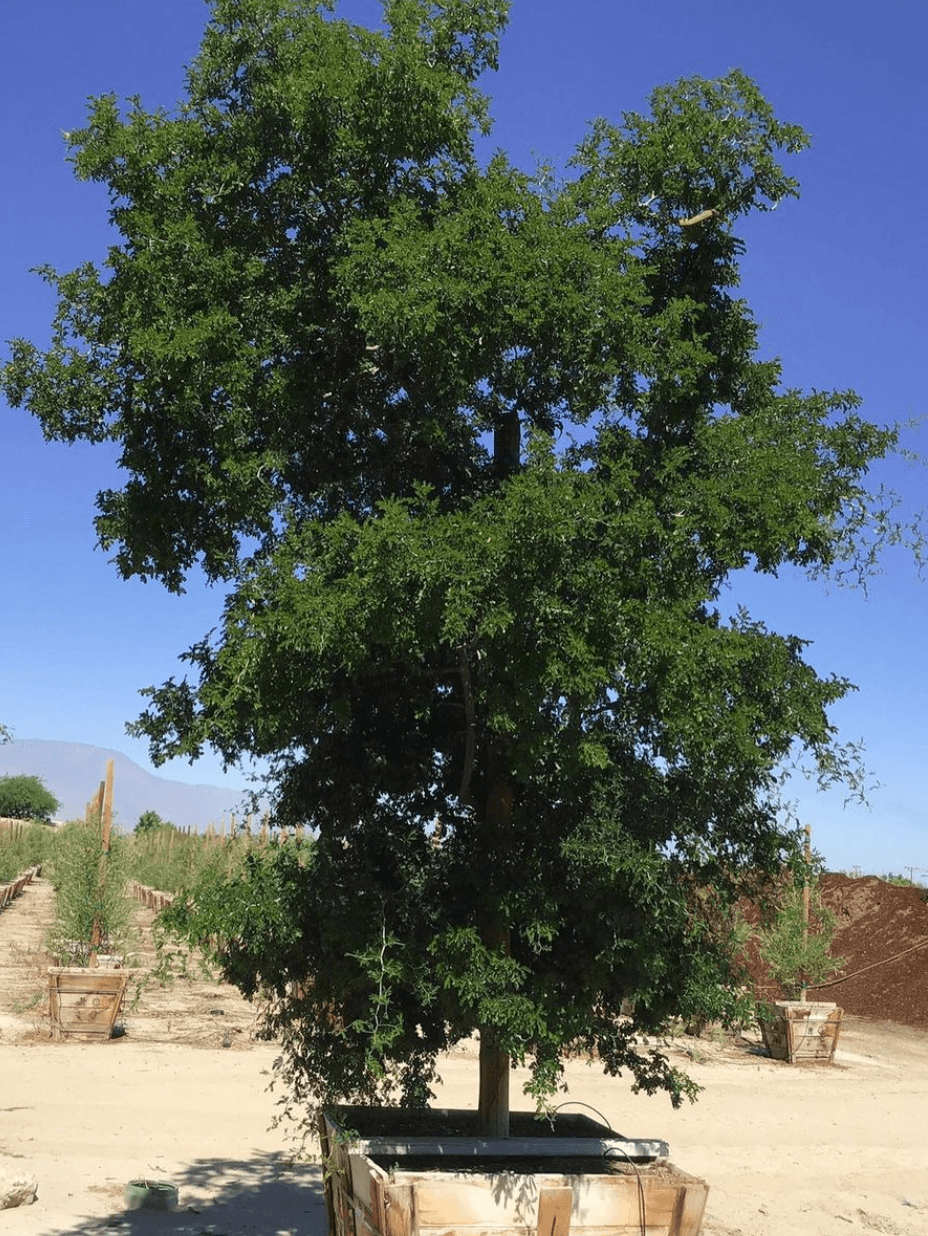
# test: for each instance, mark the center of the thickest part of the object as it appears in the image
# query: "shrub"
(23, 846)
(798, 958)
(93, 908)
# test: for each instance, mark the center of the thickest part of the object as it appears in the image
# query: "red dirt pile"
(877, 922)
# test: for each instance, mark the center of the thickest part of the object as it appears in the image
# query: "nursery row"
(96, 873)
(12, 888)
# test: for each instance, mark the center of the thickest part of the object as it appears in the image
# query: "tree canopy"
(151, 821)
(26, 798)
(475, 450)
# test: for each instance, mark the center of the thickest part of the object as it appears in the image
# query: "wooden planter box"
(12, 889)
(580, 1178)
(84, 1004)
(802, 1032)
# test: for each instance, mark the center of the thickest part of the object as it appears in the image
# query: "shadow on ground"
(264, 1195)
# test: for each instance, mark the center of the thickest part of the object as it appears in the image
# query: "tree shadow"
(264, 1195)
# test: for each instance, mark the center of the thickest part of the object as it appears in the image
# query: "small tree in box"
(796, 945)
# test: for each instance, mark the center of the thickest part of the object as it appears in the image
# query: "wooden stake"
(107, 806)
(806, 903)
(105, 814)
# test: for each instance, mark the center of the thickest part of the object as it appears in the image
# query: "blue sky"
(838, 281)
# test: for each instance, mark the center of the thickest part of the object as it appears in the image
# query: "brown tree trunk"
(493, 1108)
(493, 1103)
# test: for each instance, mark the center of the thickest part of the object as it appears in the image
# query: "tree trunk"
(493, 1108)
(493, 1104)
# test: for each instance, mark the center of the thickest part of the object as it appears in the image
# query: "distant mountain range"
(72, 771)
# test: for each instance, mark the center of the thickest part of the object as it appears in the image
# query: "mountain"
(72, 771)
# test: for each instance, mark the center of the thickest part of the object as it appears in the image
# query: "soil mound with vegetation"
(881, 935)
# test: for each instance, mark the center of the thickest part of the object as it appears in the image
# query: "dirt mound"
(876, 923)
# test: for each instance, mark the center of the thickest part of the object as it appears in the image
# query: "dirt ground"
(785, 1149)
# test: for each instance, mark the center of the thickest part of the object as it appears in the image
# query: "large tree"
(24, 797)
(475, 451)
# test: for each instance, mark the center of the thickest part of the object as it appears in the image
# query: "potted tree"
(796, 946)
(92, 923)
(476, 451)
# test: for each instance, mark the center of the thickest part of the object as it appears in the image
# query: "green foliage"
(6, 734)
(92, 903)
(477, 452)
(168, 859)
(23, 846)
(150, 820)
(799, 955)
(26, 798)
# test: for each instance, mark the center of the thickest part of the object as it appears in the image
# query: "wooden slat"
(400, 1210)
(554, 1207)
(508, 1200)
(691, 1210)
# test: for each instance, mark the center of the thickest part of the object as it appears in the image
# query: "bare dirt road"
(821, 1151)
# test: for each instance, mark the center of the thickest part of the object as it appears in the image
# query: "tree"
(150, 821)
(475, 451)
(796, 942)
(26, 798)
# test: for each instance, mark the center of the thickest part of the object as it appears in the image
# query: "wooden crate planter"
(13, 888)
(84, 1003)
(576, 1181)
(802, 1032)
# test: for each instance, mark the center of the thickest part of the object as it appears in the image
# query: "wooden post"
(805, 904)
(107, 806)
(399, 1203)
(105, 810)
(95, 806)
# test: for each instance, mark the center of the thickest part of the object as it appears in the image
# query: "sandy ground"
(785, 1150)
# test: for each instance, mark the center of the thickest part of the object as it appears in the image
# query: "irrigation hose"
(872, 966)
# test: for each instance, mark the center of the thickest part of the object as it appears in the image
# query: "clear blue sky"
(838, 280)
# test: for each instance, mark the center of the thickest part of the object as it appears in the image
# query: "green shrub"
(23, 846)
(92, 904)
(799, 959)
(26, 798)
(168, 859)
(149, 821)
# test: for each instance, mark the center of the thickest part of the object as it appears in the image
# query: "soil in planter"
(436, 1122)
(565, 1165)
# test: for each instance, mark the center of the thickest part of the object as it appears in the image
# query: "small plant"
(796, 945)
(93, 908)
